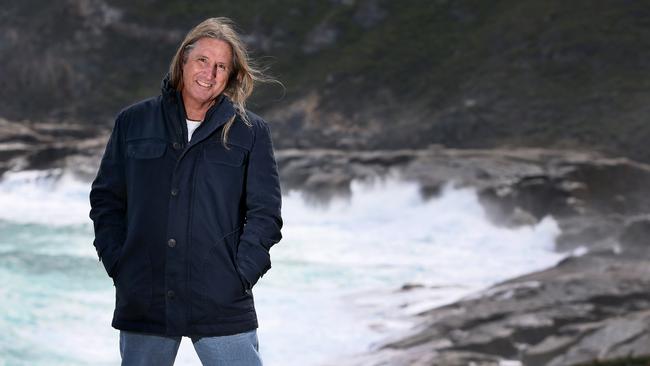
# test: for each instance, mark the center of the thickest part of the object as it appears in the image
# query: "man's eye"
(202, 60)
(222, 67)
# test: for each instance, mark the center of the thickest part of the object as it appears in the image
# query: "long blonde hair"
(243, 76)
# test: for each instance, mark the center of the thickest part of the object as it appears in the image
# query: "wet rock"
(614, 338)
(27, 145)
(635, 237)
(582, 191)
(594, 307)
(594, 232)
(411, 286)
(544, 351)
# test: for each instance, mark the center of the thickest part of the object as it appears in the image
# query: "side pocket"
(115, 271)
(111, 269)
(133, 286)
(226, 294)
(244, 282)
(232, 240)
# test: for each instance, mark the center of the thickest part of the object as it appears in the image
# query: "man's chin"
(202, 98)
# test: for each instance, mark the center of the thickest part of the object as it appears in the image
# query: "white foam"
(336, 271)
(44, 197)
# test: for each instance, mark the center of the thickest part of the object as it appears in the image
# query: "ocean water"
(333, 290)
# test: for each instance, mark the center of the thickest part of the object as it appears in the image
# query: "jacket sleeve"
(108, 200)
(263, 204)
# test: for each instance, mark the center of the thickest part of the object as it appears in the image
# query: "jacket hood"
(166, 85)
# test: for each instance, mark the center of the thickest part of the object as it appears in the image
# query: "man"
(186, 205)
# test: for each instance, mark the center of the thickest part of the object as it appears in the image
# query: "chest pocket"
(146, 150)
(215, 153)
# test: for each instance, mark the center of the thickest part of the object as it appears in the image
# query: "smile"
(205, 85)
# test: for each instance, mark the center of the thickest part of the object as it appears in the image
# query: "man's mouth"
(204, 84)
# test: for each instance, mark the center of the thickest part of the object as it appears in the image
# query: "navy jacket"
(184, 229)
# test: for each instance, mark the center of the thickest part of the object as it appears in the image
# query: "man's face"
(205, 73)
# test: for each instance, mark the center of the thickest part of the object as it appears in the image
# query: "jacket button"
(171, 243)
(174, 192)
(176, 146)
(170, 294)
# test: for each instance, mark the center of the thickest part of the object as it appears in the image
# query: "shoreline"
(600, 204)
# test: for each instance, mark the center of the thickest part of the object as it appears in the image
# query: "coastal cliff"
(358, 74)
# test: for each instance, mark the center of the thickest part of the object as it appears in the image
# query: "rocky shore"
(26, 145)
(594, 305)
(587, 308)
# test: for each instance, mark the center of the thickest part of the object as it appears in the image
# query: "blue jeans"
(139, 349)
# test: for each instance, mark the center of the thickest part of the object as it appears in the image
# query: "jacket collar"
(220, 113)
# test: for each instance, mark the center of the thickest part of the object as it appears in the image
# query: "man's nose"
(214, 71)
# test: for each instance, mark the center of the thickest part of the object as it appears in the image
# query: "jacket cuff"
(252, 270)
(109, 258)
(247, 283)
(110, 262)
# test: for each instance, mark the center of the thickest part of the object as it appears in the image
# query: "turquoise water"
(53, 295)
(331, 291)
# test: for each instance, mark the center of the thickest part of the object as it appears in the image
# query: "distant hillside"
(359, 73)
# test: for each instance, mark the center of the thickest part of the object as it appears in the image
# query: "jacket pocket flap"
(148, 150)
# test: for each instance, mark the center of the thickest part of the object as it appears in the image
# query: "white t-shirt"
(191, 126)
